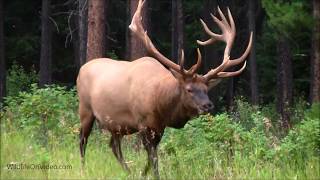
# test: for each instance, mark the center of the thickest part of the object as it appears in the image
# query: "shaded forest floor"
(245, 144)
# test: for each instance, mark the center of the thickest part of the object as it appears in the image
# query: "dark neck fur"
(170, 108)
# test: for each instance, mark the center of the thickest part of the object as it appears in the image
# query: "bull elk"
(151, 93)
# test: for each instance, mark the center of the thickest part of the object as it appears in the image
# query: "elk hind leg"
(86, 121)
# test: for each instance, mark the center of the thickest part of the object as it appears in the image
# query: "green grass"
(41, 127)
(203, 162)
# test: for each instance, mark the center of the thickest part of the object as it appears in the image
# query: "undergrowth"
(41, 127)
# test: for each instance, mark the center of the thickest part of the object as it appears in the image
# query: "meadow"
(40, 127)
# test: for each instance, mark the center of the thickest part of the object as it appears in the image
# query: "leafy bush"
(19, 80)
(51, 109)
(216, 133)
(298, 110)
(304, 139)
(247, 133)
(242, 113)
(243, 144)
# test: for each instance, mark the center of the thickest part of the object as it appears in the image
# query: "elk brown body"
(148, 94)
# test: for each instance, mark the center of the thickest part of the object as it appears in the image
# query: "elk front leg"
(115, 144)
(151, 139)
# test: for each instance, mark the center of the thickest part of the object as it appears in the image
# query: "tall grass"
(243, 145)
(202, 162)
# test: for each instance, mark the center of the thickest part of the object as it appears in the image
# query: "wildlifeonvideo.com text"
(25, 166)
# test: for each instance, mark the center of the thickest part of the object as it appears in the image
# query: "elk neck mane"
(170, 106)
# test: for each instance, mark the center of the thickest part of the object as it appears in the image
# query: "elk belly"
(122, 124)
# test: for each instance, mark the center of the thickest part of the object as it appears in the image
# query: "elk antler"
(228, 35)
(137, 28)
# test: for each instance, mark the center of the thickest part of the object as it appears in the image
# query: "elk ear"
(213, 82)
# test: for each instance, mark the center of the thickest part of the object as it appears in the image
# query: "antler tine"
(224, 20)
(134, 26)
(219, 23)
(233, 26)
(138, 30)
(230, 74)
(242, 58)
(195, 67)
(237, 61)
(213, 72)
(228, 34)
(181, 63)
(214, 36)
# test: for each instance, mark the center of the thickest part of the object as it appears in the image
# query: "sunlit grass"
(246, 144)
(201, 163)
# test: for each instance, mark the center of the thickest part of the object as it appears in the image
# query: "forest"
(265, 123)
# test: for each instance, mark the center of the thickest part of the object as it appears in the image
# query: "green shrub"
(19, 80)
(242, 113)
(246, 133)
(220, 134)
(270, 112)
(51, 109)
(220, 146)
(304, 139)
(298, 110)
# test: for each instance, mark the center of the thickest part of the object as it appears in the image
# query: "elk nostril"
(211, 105)
(208, 106)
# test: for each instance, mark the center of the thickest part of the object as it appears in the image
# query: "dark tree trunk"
(252, 57)
(2, 58)
(46, 46)
(284, 82)
(177, 30)
(128, 32)
(315, 58)
(45, 65)
(76, 47)
(96, 29)
(83, 30)
(230, 94)
(136, 48)
(73, 32)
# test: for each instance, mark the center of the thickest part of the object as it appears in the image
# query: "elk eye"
(189, 90)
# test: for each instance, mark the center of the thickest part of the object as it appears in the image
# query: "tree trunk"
(128, 32)
(2, 58)
(315, 58)
(76, 46)
(83, 30)
(284, 82)
(96, 29)
(177, 30)
(74, 32)
(136, 48)
(252, 57)
(46, 46)
(230, 94)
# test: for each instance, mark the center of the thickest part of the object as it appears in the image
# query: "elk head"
(194, 87)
